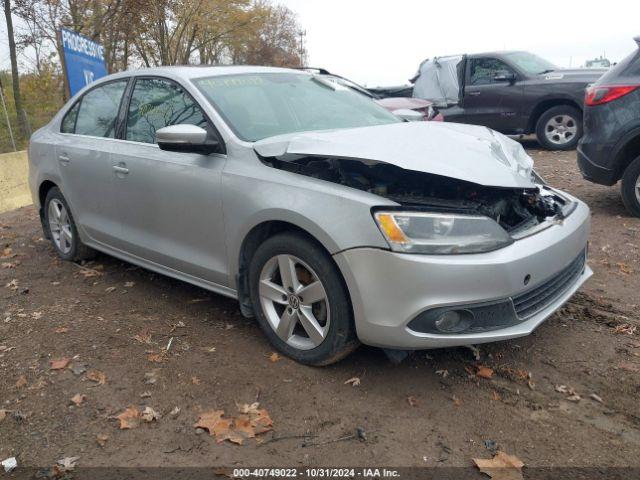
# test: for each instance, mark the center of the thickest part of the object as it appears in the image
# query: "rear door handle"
(474, 93)
(120, 169)
(64, 159)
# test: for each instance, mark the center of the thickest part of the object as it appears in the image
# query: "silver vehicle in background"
(332, 221)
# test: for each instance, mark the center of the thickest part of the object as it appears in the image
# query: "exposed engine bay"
(515, 209)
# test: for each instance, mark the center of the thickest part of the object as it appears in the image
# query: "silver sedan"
(332, 221)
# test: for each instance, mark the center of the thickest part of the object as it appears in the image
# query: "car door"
(86, 143)
(493, 95)
(170, 202)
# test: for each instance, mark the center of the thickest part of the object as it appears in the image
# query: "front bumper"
(388, 289)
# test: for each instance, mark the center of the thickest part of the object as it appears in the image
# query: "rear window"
(627, 70)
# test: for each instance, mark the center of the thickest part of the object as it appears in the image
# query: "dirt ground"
(566, 396)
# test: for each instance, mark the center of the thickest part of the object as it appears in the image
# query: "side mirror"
(505, 77)
(186, 138)
(409, 115)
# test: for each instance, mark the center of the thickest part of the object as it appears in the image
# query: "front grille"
(529, 303)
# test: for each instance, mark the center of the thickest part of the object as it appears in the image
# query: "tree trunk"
(22, 126)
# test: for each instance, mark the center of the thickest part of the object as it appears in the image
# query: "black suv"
(610, 148)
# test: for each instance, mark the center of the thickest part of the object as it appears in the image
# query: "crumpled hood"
(465, 152)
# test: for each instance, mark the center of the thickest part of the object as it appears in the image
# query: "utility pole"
(15, 77)
(301, 51)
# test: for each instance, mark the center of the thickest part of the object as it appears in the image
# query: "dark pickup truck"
(514, 93)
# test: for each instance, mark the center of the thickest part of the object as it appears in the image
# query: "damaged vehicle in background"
(330, 220)
(406, 107)
(515, 93)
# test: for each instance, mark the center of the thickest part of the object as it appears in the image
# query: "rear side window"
(157, 103)
(99, 110)
(69, 120)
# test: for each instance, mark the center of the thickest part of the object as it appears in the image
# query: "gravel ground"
(567, 396)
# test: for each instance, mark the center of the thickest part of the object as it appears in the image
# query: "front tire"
(300, 300)
(559, 128)
(61, 228)
(631, 188)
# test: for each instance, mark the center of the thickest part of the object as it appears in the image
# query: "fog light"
(454, 321)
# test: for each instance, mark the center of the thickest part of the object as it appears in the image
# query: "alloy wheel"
(60, 226)
(561, 129)
(294, 302)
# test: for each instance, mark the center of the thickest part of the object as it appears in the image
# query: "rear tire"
(312, 326)
(630, 188)
(61, 228)
(560, 128)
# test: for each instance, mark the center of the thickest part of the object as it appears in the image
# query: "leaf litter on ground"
(252, 421)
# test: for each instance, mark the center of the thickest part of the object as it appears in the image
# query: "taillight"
(600, 94)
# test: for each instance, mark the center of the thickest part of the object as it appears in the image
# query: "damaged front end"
(519, 211)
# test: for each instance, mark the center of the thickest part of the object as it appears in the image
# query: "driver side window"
(485, 70)
(157, 103)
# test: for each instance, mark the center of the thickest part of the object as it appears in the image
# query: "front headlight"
(441, 233)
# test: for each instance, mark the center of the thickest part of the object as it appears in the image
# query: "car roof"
(496, 53)
(200, 71)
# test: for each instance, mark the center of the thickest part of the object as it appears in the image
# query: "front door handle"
(120, 169)
(474, 93)
(64, 159)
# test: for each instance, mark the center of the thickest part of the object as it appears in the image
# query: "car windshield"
(531, 64)
(258, 106)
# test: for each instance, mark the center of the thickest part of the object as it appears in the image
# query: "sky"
(382, 42)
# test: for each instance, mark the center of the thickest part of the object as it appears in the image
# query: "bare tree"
(15, 76)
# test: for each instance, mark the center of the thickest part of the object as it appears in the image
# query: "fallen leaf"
(3, 414)
(274, 357)
(625, 329)
(8, 265)
(149, 414)
(443, 373)
(143, 337)
(130, 418)
(252, 421)
(209, 420)
(157, 357)
(97, 376)
(78, 399)
(624, 268)
(22, 381)
(101, 439)
(68, 463)
(175, 412)
(495, 396)
(129, 284)
(36, 315)
(61, 330)
(13, 284)
(456, 401)
(354, 382)
(501, 467)
(60, 363)
(7, 253)
(110, 289)
(412, 401)
(484, 372)
(195, 380)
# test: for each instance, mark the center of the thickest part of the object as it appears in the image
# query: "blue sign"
(83, 59)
